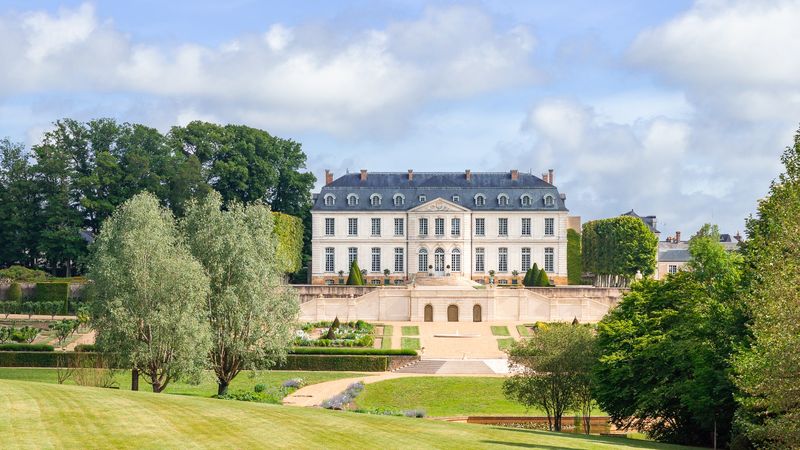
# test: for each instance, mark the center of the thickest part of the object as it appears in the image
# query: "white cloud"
(297, 78)
(738, 58)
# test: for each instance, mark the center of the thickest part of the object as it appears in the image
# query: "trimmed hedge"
(353, 363)
(86, 348)
(348, 351)
(37, 359)
(574, 262)
(52, 292)
(26, 348)
(14, 293)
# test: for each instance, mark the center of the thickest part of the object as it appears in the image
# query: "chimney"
(515, 175)
(550, 176)
(677, 236)
(468, 174)
(328, 177)
(738, 237)
(363, 174)
(410, 174)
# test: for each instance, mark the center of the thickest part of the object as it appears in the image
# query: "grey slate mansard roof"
(674, 255)
(439, 184)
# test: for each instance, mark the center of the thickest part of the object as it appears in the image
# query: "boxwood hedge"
(26, 348)
(349, 351)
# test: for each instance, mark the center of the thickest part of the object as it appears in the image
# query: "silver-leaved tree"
(251, 313)
(148, 294)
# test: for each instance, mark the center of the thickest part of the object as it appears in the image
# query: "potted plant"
(515, 273)
(341, 277)
(448, 269)
(491, 277)
(430, 267)
(386, 273)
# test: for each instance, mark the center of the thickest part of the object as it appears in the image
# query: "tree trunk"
(156, 386)
(557, 423)
(222, 388)
(135, 379)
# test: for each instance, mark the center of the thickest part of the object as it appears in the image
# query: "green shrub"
(52, 292)
(26, 348)
(39, 359)
(25, 334)
(353, 363)
(574, 262)
(354, 278)
(86, 348)
(348, 351)
(20, 273)
(14, 293)
(543, 280)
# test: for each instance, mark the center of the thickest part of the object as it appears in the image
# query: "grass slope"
(411, 330)
(207, 387)
(443, 396)
(36, 415)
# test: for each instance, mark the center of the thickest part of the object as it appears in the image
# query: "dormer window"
(399, 199)
(525, 200)
(502, 200)
(375, 200)
(352, 200)
(456, 199)
(330, 199)
(548, 200)
(480, 200)
(423, 198)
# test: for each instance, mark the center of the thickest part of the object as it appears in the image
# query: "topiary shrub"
(14, 293)
(331, 331)
(355, 277)
(52, 292)
(543, 279)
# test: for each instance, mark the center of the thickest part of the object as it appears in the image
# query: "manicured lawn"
(523, 330)
(36, 415)
(410, 330)
(388, 330)
(409, 343)
(386, 342)
(505, 343)
(245, 381)
(443, 396)
(500, 330)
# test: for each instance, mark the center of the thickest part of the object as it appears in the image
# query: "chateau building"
(438, 224)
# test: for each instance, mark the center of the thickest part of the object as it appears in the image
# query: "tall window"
(455, 226)
(526, 226)
(423, 226)
(376, 226)
(329, 266)
(502, 259)
(439, 226)
(480, 227)
(376, 259)
(502, 226)
(352, 226)
(352, 255)
(399, 259)
(330, 230)
(423, 260)
(455, 260)
(480, 261)
(526, 259)
(549, 226)
(399, 227)
(549, 256)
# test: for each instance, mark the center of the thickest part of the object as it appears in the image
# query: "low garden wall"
(597, 424)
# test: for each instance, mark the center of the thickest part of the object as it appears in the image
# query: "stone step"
(422, 366)
(433, 366)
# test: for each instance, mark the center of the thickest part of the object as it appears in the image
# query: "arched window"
(480, 200)
(502, 200)
(375, 199)
(330, 199)
(352, 200)
(455, 260)
(423, 260)
(525, 200)
(548, 200)
(438, 260)
(399, 199)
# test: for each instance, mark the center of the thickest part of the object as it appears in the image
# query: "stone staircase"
(453, 367)
(444, 282)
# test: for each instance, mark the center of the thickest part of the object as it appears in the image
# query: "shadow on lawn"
(523, 445)
(633, 443)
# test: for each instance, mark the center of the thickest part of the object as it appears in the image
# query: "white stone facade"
(332, 235)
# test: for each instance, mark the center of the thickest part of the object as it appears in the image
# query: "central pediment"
(439, 205)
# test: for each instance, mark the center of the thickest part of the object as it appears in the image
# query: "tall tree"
(769, 371)
(616, 249)
(665, 350)
(249, 311)
(148, 294)
(19, 213)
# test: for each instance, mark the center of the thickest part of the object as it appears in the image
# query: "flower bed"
(345, 334)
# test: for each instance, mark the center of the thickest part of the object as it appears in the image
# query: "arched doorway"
(428, 313)
(476, 313)
(452, 313)
(438, 262)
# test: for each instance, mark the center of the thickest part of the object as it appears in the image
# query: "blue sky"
(679, 109)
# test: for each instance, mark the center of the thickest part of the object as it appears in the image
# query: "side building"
(438, 224)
